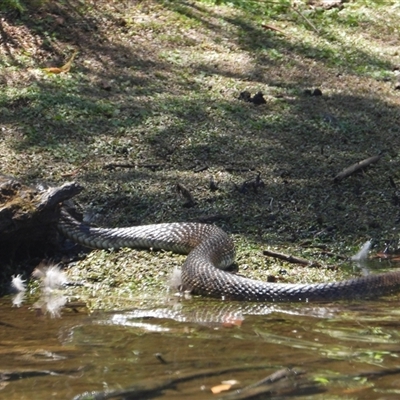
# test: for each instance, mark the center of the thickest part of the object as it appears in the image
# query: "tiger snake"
(210, 251)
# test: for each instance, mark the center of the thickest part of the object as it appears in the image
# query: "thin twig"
(112, 166)
(306, 19)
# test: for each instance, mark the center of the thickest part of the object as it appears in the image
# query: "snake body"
(210, 250)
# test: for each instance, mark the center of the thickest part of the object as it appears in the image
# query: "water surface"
(180, 349)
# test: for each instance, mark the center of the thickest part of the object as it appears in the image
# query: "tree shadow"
(256, 39)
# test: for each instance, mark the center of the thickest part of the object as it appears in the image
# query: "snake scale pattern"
(210, 250)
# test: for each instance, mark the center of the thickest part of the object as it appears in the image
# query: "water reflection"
(182, 348)
(213, 313)
(51, 300)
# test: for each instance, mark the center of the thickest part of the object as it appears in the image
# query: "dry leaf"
(65, 68)
(220, 388)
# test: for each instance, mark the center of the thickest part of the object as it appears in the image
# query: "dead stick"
(355, 167)
(129, 165)
(288, 258)
(272, 28)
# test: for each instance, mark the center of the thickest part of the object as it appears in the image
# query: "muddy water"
(182, 349)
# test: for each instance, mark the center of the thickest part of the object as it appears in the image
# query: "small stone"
(317, 92)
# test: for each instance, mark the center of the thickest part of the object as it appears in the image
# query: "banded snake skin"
(210, 250)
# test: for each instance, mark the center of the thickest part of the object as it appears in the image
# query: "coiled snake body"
(210, 250)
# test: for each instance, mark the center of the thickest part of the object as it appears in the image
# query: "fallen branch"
(289, 258)
(356, 167)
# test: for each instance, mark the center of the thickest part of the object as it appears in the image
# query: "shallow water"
(180, 349)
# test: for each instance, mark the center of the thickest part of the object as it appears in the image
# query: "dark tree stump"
(28, 216)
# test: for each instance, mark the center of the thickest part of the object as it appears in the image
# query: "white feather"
(18, 284)
(363, 253)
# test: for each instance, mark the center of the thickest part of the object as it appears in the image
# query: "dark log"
(28, 215)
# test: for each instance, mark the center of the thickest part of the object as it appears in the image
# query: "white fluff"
(18, 284)
(51, 277)
(363, 253)
(18, 299)
(175, 280)
(54, 278)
